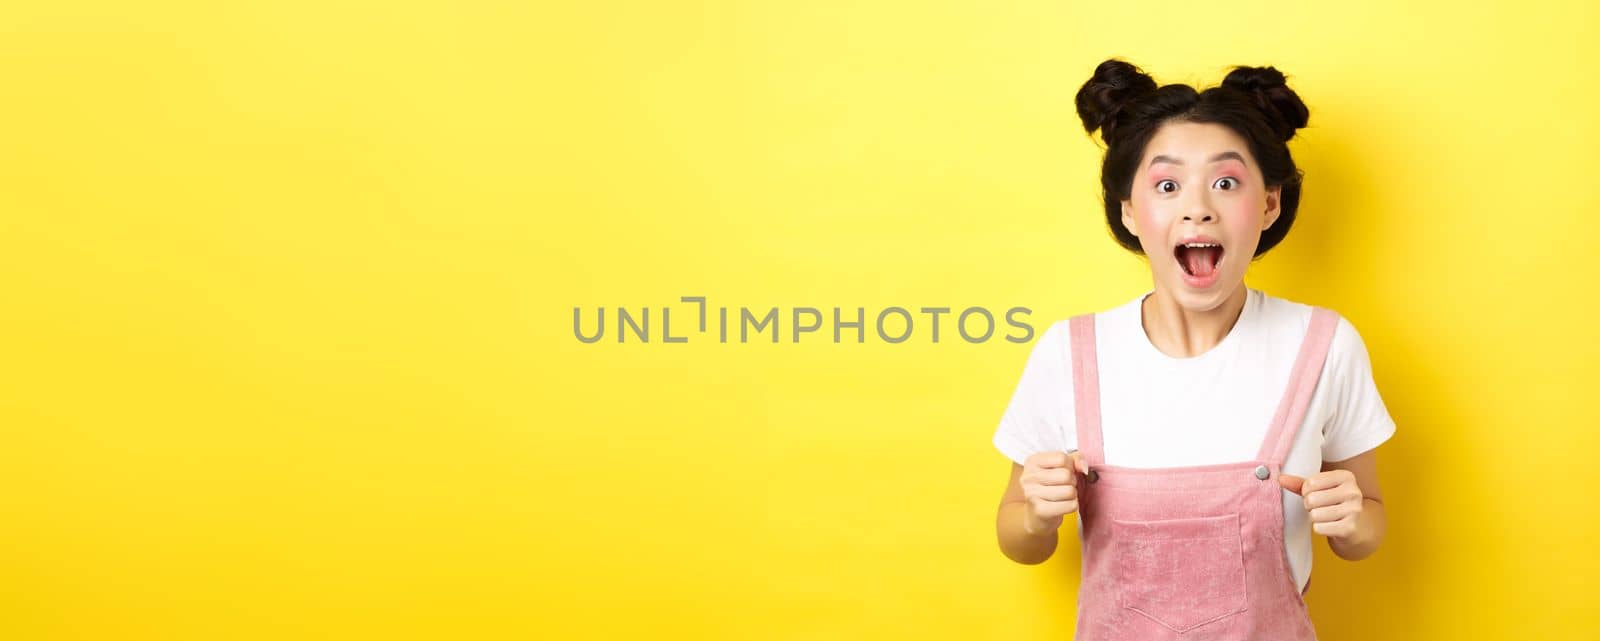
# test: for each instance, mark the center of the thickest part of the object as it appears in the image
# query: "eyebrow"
(1222, 156)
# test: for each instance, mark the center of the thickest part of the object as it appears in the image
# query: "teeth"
(1201, 245)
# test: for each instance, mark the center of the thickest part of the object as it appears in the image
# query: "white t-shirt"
(1161, 411)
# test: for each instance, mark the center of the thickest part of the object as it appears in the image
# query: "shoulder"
(1056, 332)
(1345, 348)
(1286, 313)
(1050, 353)
(1059, 332)
(1282, 313)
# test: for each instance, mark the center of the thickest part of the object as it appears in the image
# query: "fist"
(1333, 498)
(1050, 483)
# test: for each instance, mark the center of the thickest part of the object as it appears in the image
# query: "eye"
(1167, 182)
(1232, 184)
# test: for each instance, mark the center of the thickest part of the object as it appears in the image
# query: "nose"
(1200, 211)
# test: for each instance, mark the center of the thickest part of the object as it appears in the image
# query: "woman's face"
(1198, 206)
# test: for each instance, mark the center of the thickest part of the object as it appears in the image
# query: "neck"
(1180, 332)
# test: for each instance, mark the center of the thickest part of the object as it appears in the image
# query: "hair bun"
(1272, 94)
(1115, 83)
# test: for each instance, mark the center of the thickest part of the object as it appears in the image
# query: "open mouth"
(1199, 259)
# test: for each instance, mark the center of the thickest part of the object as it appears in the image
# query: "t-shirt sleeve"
(1039, 416)
(1359, 421)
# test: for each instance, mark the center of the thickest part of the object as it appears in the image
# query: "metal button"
(1093, 476)
(1262, 472)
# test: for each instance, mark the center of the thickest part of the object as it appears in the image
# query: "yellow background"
(287, 345)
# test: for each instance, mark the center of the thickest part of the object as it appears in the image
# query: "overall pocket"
(1181, 573)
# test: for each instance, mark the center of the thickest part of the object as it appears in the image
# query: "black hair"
(1128, 108)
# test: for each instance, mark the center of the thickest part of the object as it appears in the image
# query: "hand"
(1333, 498)
(1050, 484)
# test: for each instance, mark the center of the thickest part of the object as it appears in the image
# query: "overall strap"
(1086, 389)
(1302, 382)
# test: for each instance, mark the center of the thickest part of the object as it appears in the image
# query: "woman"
(1203, 431)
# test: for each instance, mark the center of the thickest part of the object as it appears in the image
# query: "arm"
(1041, 493)
(1366, 533)
(1345, 504)
(1016, 542)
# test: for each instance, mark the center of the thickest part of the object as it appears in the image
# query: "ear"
(1274, 202)
(1127, 218)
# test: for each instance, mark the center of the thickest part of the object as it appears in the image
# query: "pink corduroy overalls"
(1190, 553)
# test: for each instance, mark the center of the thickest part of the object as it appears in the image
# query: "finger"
(1340, 527)
(1052, 509)
(1057, 493)
(1334, 496)
(1331, 513)
(1292, 483)
(1050, 460)
(1327, 480)
(1054, 476)
(1079, 462)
